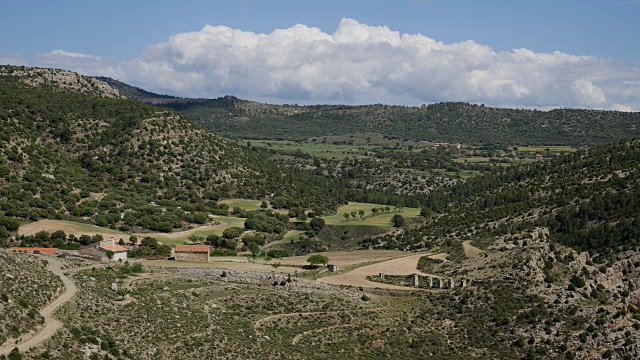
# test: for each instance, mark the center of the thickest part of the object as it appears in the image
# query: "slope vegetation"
(73, 148)
(443, 122)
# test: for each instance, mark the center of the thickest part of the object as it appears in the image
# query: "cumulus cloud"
(359, 63)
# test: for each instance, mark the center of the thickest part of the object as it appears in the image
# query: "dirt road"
(51, 325)
(470, 250)
(402, 266)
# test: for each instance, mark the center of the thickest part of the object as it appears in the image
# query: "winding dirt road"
(51, 325)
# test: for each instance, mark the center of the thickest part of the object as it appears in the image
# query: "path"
(471, 250)
(402, 266)
(51, 325)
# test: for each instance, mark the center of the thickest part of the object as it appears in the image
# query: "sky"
(526, 54)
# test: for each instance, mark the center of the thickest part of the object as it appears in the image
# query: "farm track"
(51, 325)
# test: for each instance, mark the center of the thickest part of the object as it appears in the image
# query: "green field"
(339, 151)
(204, 231)
(553, 149)
(246, 204)
(379, 220)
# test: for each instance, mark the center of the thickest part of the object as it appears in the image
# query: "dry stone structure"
(198, 253)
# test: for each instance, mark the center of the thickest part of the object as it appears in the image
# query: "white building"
(119, 251)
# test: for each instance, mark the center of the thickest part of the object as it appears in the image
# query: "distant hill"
(443, 122)
(588, 200)
(73, 148)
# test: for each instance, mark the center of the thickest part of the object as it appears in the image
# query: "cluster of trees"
(266, 221)
(57, 239)
(149, 247)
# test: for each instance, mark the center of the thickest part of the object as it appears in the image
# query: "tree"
(196, 238)
(15, 354)
(346, 216)
(397, 220)
(110, 255)
(361, 213)
(255, 249)
(133, 240)
(264, 205)
(425, 212)
(317, 259)
(317, 224)
(232, 232)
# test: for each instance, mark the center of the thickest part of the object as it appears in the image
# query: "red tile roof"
(114, 248)
(49, 251)
(193, 248)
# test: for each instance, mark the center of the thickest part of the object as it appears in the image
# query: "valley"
(499, 233)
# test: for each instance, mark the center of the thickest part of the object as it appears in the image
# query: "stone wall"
(192, 257)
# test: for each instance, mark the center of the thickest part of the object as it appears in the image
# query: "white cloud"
(71, 54)
(359, 63)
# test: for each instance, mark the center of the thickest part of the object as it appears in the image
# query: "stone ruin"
(432, 282)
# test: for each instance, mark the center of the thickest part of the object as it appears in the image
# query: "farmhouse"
(98, 250)
(193, 252)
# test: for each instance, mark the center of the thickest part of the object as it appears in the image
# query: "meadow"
(378, 220)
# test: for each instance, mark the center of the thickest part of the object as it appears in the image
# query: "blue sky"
(120, 34)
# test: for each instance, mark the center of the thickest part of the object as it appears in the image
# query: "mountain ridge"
(442, 122)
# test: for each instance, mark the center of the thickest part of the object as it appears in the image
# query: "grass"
(340, 151)
(183, 237)
(380, 220)
(553, 149)
(246, 204)
(472, 159)
(291, 235)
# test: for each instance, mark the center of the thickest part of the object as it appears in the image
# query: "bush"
(317, 259)
(224, 252)
(397, 220)
(232, 232)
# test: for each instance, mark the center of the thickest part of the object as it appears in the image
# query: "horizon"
(511, 55)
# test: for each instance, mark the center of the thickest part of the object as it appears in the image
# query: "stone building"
(98, 250)
(193, 252)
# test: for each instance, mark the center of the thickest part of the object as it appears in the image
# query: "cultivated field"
(379, 220)
(347, 258)
(182, 237)
(69, 227)
(553, 149)
(246, 204)
(406, 265)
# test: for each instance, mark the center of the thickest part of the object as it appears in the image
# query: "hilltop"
(443, 122)
(74, 148)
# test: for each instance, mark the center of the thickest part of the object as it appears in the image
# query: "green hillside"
(588, 200)
(74, 149)
(442, 122)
